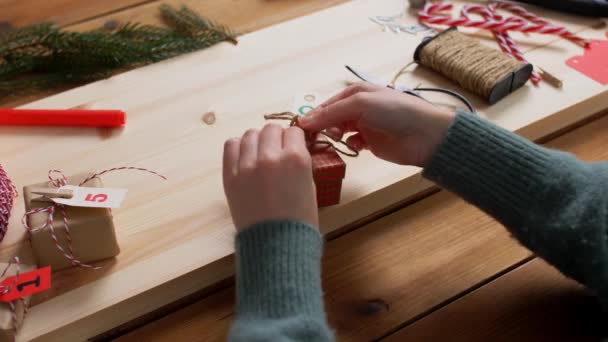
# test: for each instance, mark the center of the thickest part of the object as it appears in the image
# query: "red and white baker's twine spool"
(7, 194)
(7, 288)
(57, 179)
(523, 21)
(506, 43)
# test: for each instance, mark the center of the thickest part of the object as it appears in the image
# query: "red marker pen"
(62, 117)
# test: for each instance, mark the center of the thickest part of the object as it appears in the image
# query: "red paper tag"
(29, 283)
(594, 62)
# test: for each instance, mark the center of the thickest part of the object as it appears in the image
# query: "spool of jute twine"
(478, 68)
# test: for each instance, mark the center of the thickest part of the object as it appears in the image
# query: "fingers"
(357, 142)
(337, 114)
(249, 149)
(349, 91)
(335, 133)
(231, 159)
(294, 140)
(270, 141)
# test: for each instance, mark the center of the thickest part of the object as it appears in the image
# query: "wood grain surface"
(390, 293)
(532, 303)
(380, 275)
(175, 235)
(17, 13)
(240, 15)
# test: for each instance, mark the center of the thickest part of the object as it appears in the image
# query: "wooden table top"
(437, 269)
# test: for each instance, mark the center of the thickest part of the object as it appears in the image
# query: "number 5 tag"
(92, 197)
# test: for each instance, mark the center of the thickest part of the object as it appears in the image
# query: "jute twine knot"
(311, 136)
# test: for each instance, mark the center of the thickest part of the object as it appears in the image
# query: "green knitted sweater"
(551, 202)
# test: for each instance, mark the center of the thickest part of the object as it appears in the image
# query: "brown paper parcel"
(91, 229)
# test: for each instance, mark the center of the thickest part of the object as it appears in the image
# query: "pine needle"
(42, 56)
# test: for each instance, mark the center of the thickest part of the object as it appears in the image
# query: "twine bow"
(4, 289)
(57, 179)
(293, 118)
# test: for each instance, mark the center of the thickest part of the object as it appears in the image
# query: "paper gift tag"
(305, 102)
(27, 284)
(92, 197)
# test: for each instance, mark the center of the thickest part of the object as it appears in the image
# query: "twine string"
(505, 42)
(399, 73)
(57, 179)
(437, 13)
(350, 151)
(8, 192)
(4, 289)
(471, 64)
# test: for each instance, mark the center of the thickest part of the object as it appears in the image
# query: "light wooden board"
(439, 214)
(379, 275)
(168, 230)
(533, 303)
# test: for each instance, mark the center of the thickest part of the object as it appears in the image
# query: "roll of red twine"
(7, 194)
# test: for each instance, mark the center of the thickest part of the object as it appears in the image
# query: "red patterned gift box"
(328, 170)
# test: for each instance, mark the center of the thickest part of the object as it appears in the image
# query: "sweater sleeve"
(278, 284)
(553, 203)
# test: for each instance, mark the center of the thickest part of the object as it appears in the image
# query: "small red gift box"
(328, 170)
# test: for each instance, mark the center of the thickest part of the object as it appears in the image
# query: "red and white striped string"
(7, 193)
(57, 179)
(522, 21)
(4, 289)
(506, 43)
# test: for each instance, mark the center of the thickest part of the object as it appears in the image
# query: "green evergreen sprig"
(43, 56)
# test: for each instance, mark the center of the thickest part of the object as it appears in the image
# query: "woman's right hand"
(396, 127)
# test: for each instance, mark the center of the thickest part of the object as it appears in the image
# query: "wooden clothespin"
(549, 78)
(48, 193)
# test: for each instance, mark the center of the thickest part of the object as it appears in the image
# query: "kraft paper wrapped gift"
(91, 229)
(7, 326)
(328, 170)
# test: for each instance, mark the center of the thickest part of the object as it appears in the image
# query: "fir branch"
(187, 22)
(43, 56)
(139, 32)
(28, 32)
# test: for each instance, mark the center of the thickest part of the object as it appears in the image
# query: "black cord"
(413, 91)
(453, 93)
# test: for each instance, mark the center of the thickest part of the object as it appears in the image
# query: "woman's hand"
(268, 176)
(396, 127)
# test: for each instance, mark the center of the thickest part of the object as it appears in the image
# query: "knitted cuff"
(278, 270)
(496, 170)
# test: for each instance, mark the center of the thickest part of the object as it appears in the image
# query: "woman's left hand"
(268, 176)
